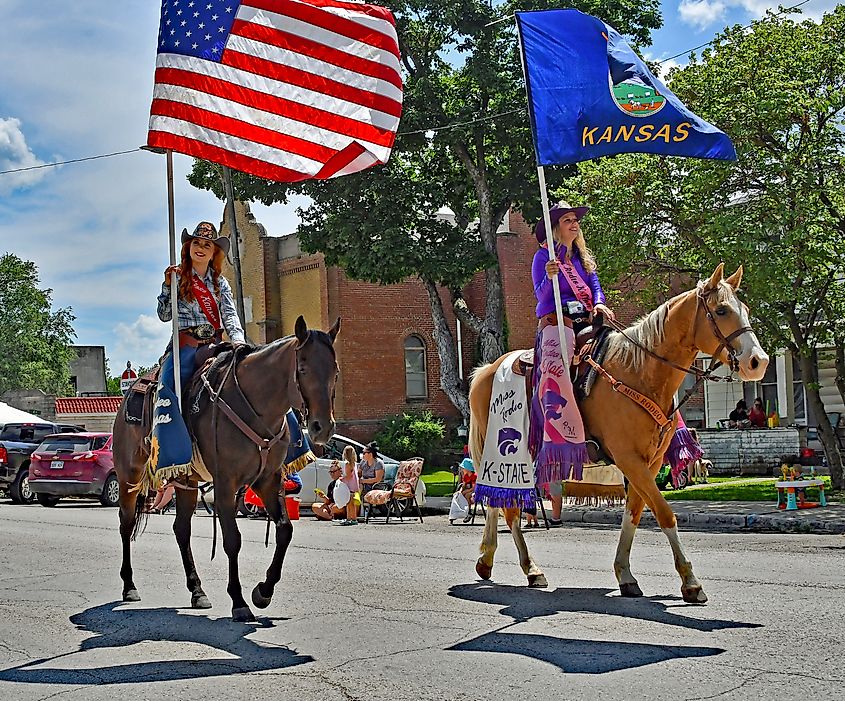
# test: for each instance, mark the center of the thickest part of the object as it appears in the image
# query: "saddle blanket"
(506, 473)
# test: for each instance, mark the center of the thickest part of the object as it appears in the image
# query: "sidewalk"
(706, 515)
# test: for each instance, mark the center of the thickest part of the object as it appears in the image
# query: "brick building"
(386, 350)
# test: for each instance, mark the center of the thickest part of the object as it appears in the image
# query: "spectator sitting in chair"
(350, 478)
(757, 416)
(371, 468)
(738, 418)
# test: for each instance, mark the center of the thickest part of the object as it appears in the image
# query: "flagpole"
(232, 225)
(547, 220)
(174, 282)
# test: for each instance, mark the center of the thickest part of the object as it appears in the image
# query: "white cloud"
(701, 13)
(141, 341)
(14, 154)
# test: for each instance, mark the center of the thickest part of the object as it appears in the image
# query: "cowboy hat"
(555, 214)
(222, 242)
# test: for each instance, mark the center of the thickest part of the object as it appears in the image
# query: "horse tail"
(476, 434)
(141, 516)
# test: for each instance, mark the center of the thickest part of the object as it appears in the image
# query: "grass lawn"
(439, 483)
(725, 490)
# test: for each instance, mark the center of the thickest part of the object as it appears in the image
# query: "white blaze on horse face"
(750, 355)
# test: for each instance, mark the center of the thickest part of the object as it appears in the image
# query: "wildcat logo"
(636, 99)
(509, 439)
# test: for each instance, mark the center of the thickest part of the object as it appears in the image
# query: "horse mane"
(647, 331)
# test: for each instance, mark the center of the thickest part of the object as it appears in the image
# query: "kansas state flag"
(590, 95)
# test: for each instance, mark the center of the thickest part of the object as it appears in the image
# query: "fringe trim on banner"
(594, 494)
(683, 449)
(153, 479)
(504, 498)
(560, 461)
(299, 463)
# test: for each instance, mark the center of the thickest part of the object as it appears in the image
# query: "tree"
(381, 225)
(34, 341)
(778, 90)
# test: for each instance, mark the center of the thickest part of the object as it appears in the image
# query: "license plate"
(57, 464)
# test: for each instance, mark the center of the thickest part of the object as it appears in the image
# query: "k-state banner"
(590, 95)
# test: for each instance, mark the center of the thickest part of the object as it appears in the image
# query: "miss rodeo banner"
(506, 473)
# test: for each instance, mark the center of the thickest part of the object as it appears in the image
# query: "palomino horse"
(709, 318)
(260, 387)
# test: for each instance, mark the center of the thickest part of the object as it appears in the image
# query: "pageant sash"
(576, 282)
(206, 301)
(556, 439)
(506, 475)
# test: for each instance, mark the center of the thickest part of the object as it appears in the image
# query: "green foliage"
(410, 435)
(34, 341)
(778, 91)
(381, 225)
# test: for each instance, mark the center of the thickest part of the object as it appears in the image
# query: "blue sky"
(76, 81)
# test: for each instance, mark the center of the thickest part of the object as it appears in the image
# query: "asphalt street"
(395, 611)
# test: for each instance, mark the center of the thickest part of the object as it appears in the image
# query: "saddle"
(139, 402)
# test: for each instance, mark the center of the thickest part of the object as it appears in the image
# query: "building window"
(769, 389)
(416, 385)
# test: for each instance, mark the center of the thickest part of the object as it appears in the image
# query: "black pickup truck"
(17, 442)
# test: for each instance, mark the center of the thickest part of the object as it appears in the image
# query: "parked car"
(74, 464)
(17, 441)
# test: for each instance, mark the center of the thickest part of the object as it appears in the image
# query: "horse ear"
(716, 277)
(301, 329)
(335, 330)
(735, 279)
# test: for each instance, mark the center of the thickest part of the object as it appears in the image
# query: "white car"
(316, 475)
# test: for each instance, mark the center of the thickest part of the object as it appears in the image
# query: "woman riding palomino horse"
(237, 427)
(648, 357)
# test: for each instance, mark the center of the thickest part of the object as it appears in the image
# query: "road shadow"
(582, 656)
(523, 604)
(122, 628)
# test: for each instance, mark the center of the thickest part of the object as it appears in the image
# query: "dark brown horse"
(260, 386)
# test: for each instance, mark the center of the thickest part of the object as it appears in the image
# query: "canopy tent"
(10, 415)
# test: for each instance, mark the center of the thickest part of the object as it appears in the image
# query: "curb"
(696, 520)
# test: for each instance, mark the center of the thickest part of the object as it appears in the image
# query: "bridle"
(725, 342)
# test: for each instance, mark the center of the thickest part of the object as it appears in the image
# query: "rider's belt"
(202, 335)
(551, 320)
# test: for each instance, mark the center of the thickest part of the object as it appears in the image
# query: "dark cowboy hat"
(222, 242)
(555, 213)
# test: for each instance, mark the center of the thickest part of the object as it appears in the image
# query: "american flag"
(283, 89)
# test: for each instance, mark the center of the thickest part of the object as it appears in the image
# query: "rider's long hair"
(588, 260)
(186, 271)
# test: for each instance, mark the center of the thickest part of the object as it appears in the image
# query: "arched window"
(416, 385)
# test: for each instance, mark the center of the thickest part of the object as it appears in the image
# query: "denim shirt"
(191, 314)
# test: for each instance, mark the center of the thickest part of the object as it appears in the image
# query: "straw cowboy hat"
(222, 242)
(555, 213)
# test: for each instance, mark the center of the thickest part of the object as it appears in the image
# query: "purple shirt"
(543, 286)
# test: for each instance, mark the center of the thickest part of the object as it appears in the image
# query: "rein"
(662, 420)
(264, 445)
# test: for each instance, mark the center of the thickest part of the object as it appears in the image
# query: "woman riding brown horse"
(237, 418)
(649, 358)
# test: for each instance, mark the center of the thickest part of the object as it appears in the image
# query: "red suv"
(74, 464)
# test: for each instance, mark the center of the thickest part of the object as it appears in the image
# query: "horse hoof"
(200, 602)
(694, 595)
(482, 570)
(242, 615)
(131, 595)
(537, 581)
(630, 589)
(259, 599)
